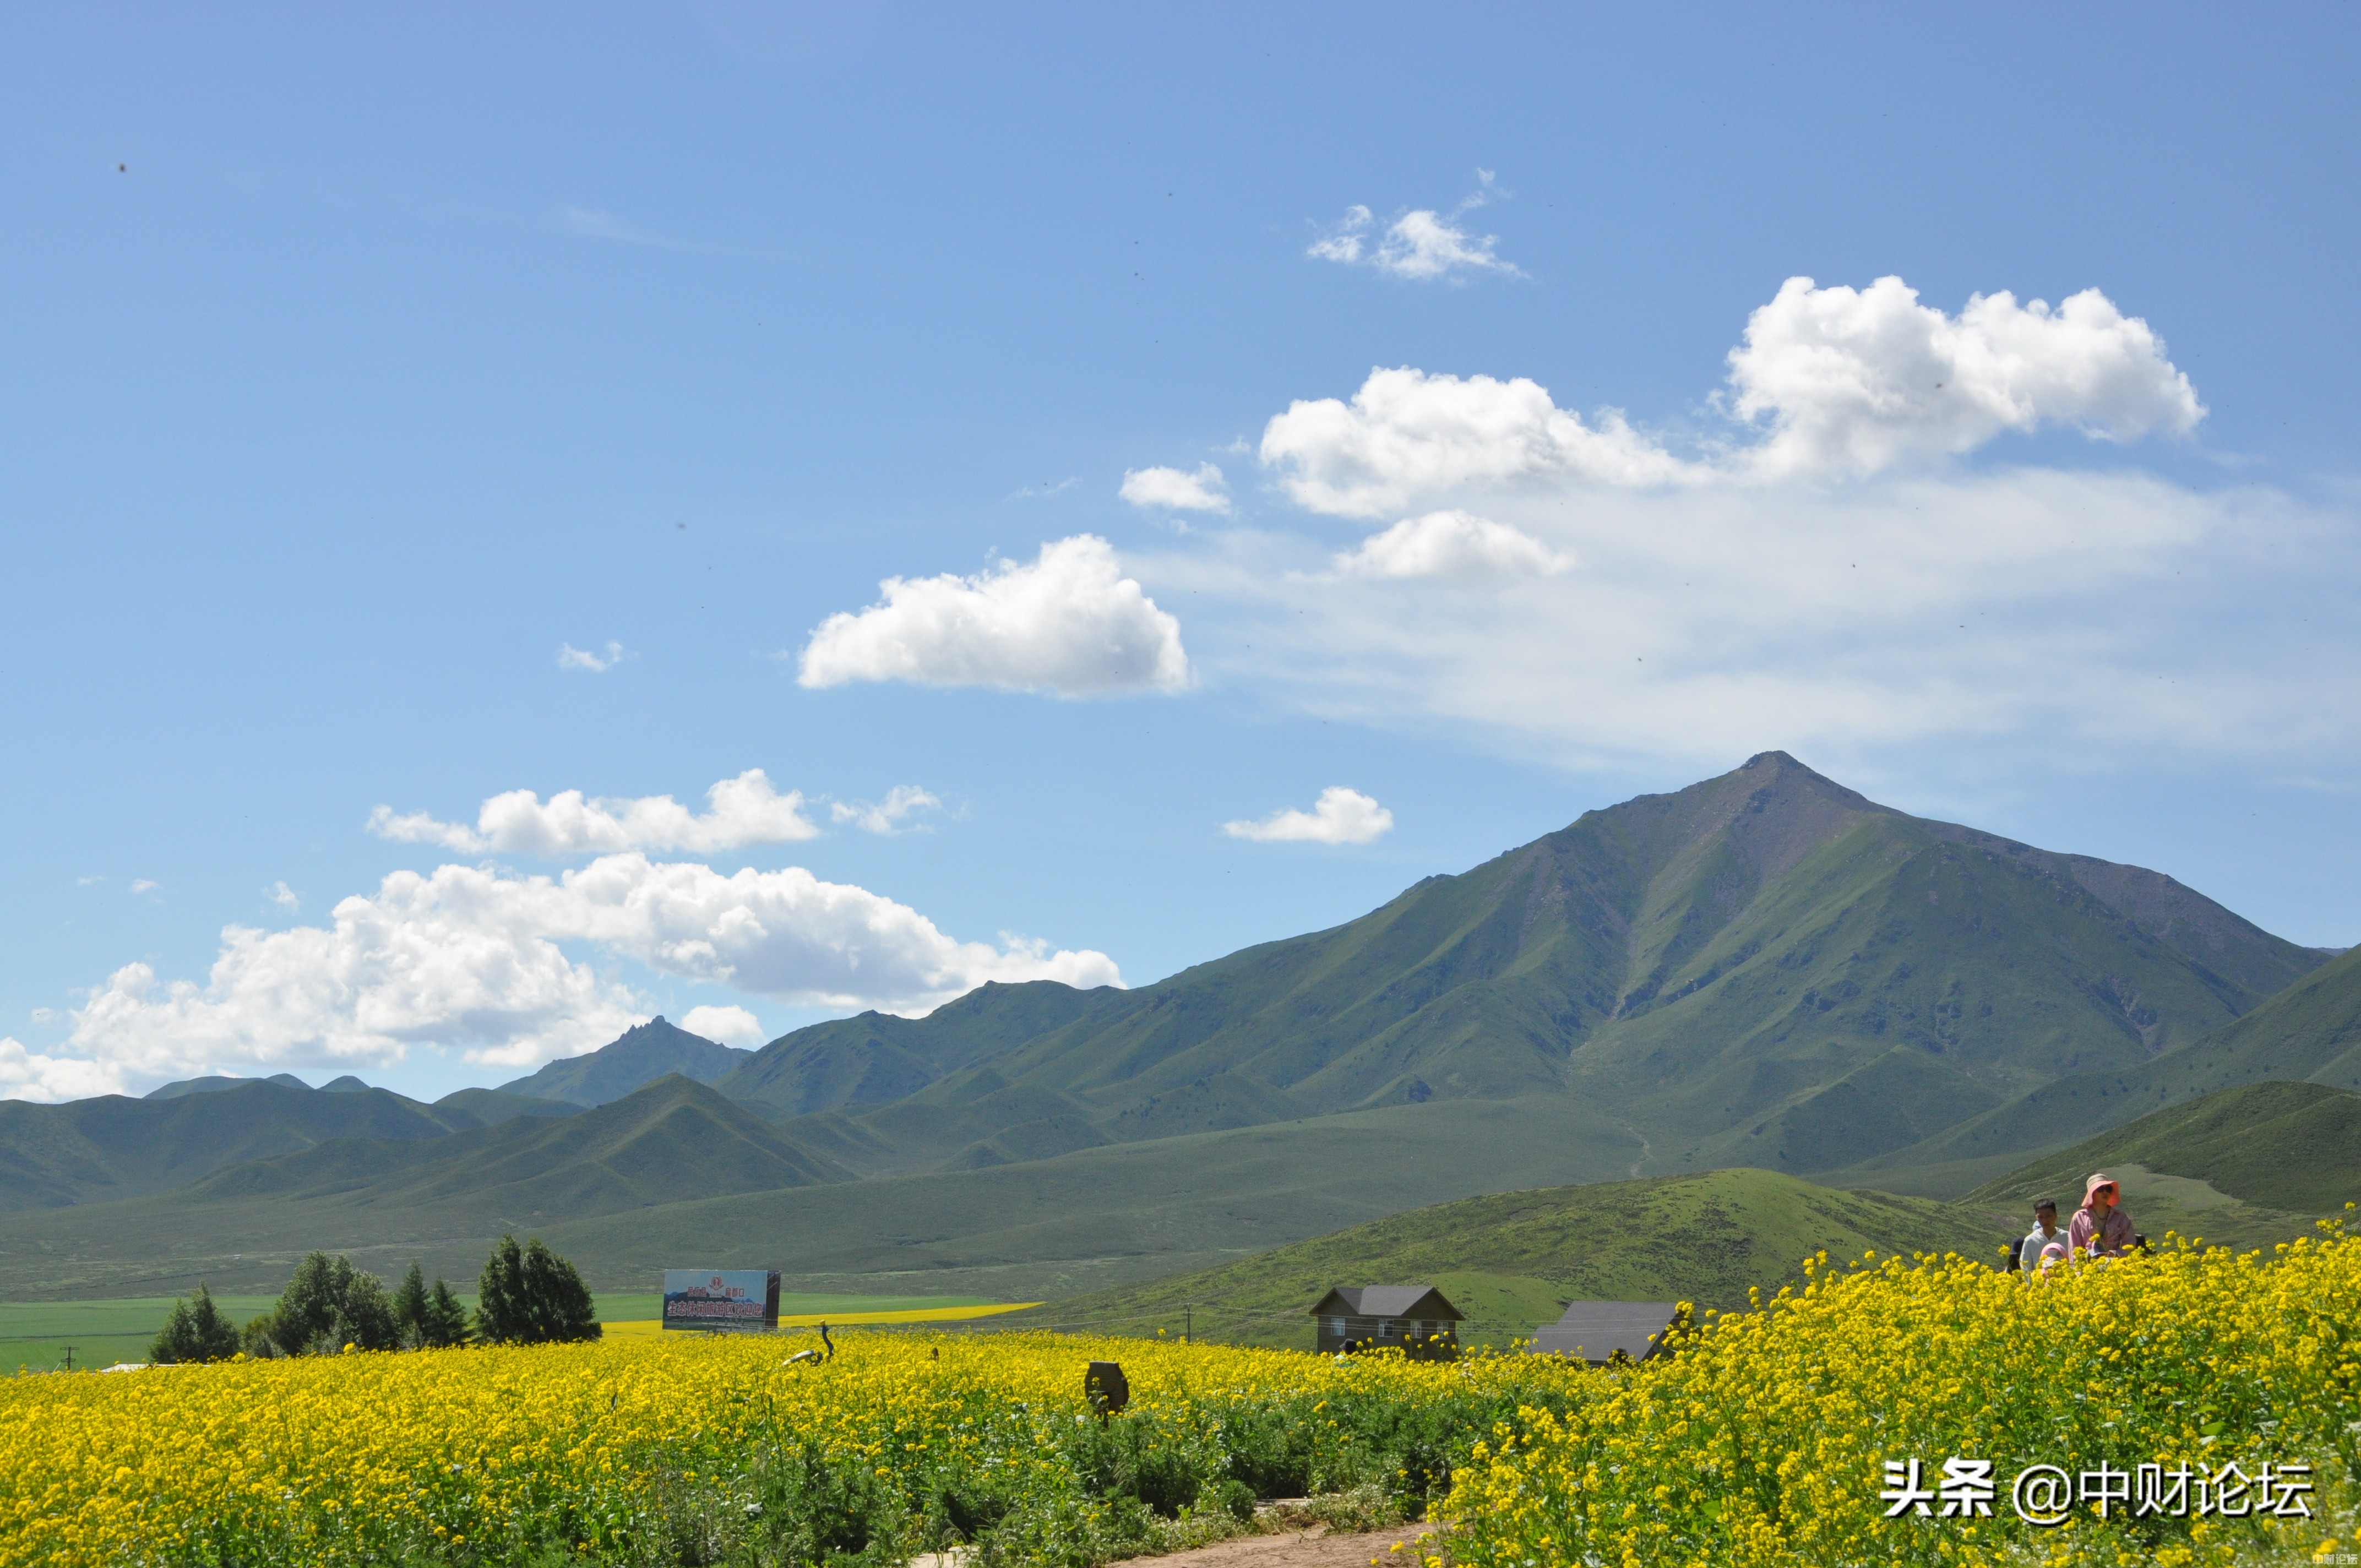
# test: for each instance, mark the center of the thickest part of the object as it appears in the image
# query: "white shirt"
(2030, 1257)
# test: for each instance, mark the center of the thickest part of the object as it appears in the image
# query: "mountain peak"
(639, 1055)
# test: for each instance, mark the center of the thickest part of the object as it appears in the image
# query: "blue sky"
(355, 368)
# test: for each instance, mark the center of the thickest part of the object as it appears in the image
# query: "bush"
(532, 1296)
(428, 1320)
(327, 1305)
(195, 1330)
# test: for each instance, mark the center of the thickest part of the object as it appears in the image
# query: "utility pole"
(68, 1358)
(1186, 1321)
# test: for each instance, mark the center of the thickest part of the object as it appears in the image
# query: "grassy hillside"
(2244, 1167)
(90, 1151)
(1028, 1231)
(636, 1058)
(1763, 969)
(2308, 1032)
(1512, 1261)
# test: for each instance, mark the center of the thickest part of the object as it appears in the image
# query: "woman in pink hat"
(2100, 1227)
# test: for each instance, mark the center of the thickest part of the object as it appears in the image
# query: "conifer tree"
(329, 1304)
(428, 1319)
(446, 1321)
(532, 1296)
(194, 1331)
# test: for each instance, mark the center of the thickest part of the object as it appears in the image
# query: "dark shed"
(1413, 1317)
(1595, 1329)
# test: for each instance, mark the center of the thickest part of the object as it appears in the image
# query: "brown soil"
(1313, 1548)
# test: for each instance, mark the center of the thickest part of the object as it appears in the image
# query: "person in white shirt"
(2046, 1230)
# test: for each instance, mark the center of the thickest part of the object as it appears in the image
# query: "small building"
(1599, 1331)
(1411, 1318)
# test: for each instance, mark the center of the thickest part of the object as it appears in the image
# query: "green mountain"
(91, 1151)
(1765, 969)
(95, 1151)
(1513, 1260)
(215, 1085)
(1028, 1232)
(2310, 1032)
(465, 1108)
(876, 1058)
(635, 1058)
(2244, 1165)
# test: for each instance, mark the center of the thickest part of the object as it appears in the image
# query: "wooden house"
(1411, 1318)
(1597, 1331)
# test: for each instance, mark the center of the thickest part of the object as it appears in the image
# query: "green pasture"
(33, 1335)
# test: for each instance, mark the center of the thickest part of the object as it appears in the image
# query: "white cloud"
(1174, 490)
(1070, 622)
(887, 816)
(1340, 816)
(1452, 545)
(731, 1026)
(2030, 615)
(1420, 245)
(744, 810)
(1850, 380)
(27, 1075)
(1407, 435)
(141, 885)
(279, 894)
(472, 959)
(1829, 384)
(570, 657)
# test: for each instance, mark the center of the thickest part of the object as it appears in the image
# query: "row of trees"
(526, 1295)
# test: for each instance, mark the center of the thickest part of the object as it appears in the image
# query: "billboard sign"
(725, 1299)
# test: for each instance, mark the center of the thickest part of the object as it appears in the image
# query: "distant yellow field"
(807, 1320)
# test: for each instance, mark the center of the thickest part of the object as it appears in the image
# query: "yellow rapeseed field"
(705, 1448)
(1877, 1413)
(1767, 1440)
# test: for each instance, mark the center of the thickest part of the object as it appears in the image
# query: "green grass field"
(33, 1335)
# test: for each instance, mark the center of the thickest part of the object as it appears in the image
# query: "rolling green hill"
(215, 1085)
(2310, 1032)
(1512, 1261)
(2243, 1165)
(637, 1057)
(1026, 1231)
(91, 1151)
(1765, 969)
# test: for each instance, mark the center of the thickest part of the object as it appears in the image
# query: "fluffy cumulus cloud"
(1406, 435)
(890, 816)
(477, 959)
(1452, 545)
(740, 811)
(1340, 816)
(1422, 246)
(1174, 490)
(29, 1075)
(1070, 622)
(731, 1026)
(1850, 380)
(1829, 384)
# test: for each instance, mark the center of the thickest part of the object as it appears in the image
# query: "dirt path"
(1312, 1548)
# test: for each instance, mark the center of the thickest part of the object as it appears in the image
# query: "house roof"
(1386, 1301)
(1597, 1330)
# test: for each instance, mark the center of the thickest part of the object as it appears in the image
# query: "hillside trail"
(1317, 1547)
(1313, 1548)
